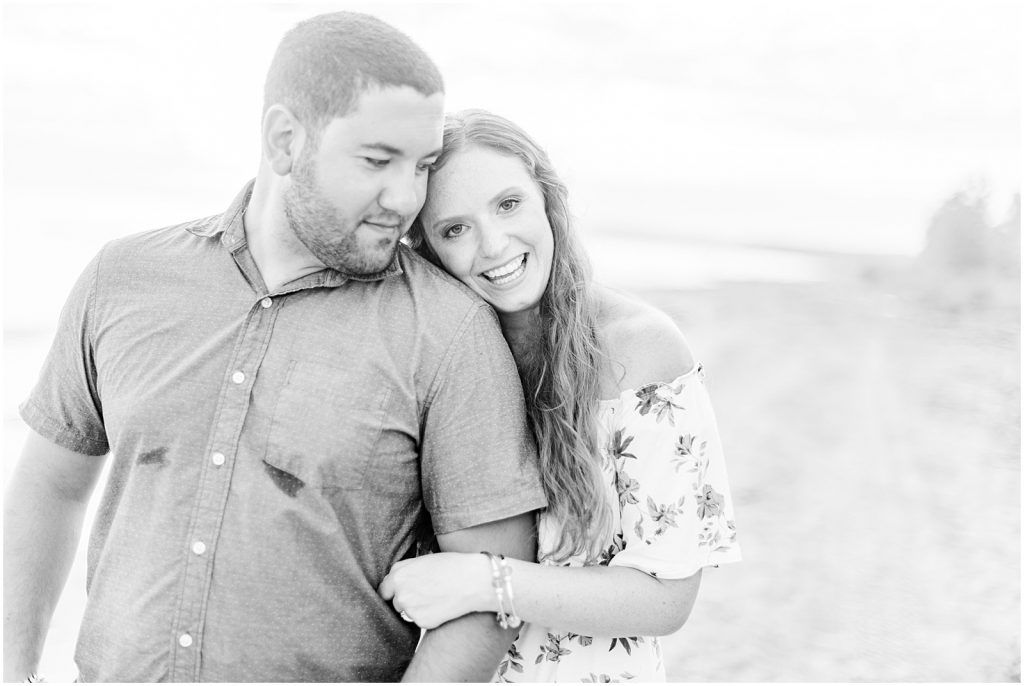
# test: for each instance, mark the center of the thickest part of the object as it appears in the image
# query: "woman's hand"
(437, 588)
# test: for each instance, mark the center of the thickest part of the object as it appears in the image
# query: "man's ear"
(283, 137)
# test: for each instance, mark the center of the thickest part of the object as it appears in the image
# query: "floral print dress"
(673, 515)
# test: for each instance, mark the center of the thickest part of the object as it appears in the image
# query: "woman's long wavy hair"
(560, 371)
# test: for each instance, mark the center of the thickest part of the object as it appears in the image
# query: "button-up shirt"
(273, 453)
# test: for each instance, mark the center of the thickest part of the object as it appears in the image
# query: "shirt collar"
(231, 229)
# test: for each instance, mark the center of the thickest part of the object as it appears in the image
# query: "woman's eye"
(455, 230)
(375, 162)
(427, 167)
(508, 204)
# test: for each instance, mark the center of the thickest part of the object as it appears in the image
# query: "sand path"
(875, 464)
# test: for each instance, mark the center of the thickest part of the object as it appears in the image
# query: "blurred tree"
(959, 237)
(968, 265)
(1007, 240)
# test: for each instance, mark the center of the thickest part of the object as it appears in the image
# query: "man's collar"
(231, 228)
(228, 225)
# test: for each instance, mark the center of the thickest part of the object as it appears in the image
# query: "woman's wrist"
(501, 582)
(484, 599)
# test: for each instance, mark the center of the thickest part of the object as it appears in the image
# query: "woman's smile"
(511, 271)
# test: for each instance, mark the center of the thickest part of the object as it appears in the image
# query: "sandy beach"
(874, 452)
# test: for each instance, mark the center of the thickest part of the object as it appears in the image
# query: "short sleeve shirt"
(273, 453)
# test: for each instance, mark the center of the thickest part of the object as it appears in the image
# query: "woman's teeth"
(508, 271)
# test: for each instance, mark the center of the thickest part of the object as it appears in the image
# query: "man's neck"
(279, 256)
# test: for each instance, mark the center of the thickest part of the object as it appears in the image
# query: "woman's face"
(484, 217)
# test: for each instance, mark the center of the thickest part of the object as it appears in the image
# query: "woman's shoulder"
(644, 345)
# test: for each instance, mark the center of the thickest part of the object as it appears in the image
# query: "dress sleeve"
(677, 511)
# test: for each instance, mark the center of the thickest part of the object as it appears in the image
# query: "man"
(288, 395)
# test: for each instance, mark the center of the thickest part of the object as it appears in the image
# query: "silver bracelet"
(501, 580)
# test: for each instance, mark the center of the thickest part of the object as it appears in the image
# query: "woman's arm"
(471, 648)
(592, 601)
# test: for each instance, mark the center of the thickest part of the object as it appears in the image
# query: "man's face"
(354, 195)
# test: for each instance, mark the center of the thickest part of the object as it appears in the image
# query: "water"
(653, 263)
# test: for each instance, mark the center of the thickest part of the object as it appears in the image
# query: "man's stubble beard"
(316, 224)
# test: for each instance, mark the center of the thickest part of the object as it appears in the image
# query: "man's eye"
(428, 166)
(375, 162)
(508, 204)
(455, 230)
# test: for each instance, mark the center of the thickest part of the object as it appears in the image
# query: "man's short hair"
(324, 63)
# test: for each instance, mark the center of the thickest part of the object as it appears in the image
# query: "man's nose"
(404, 192)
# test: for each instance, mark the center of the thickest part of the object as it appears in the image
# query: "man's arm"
(469, 648)
(44, 506)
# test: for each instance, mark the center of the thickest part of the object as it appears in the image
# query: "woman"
(638, 501)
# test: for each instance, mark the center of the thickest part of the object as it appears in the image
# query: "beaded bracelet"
(501, 580)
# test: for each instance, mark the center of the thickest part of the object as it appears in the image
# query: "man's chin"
(368, 264)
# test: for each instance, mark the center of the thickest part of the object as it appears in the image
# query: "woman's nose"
(492, 241)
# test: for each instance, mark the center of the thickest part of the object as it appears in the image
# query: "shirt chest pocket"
(326, 425)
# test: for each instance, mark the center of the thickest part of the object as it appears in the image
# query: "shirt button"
(198, 547)
(217, 459)
(266, 302)
(238, 377)
(184, 640)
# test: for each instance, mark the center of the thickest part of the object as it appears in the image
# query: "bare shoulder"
(643, 343)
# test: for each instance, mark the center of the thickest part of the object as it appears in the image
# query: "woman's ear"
(283, 137)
